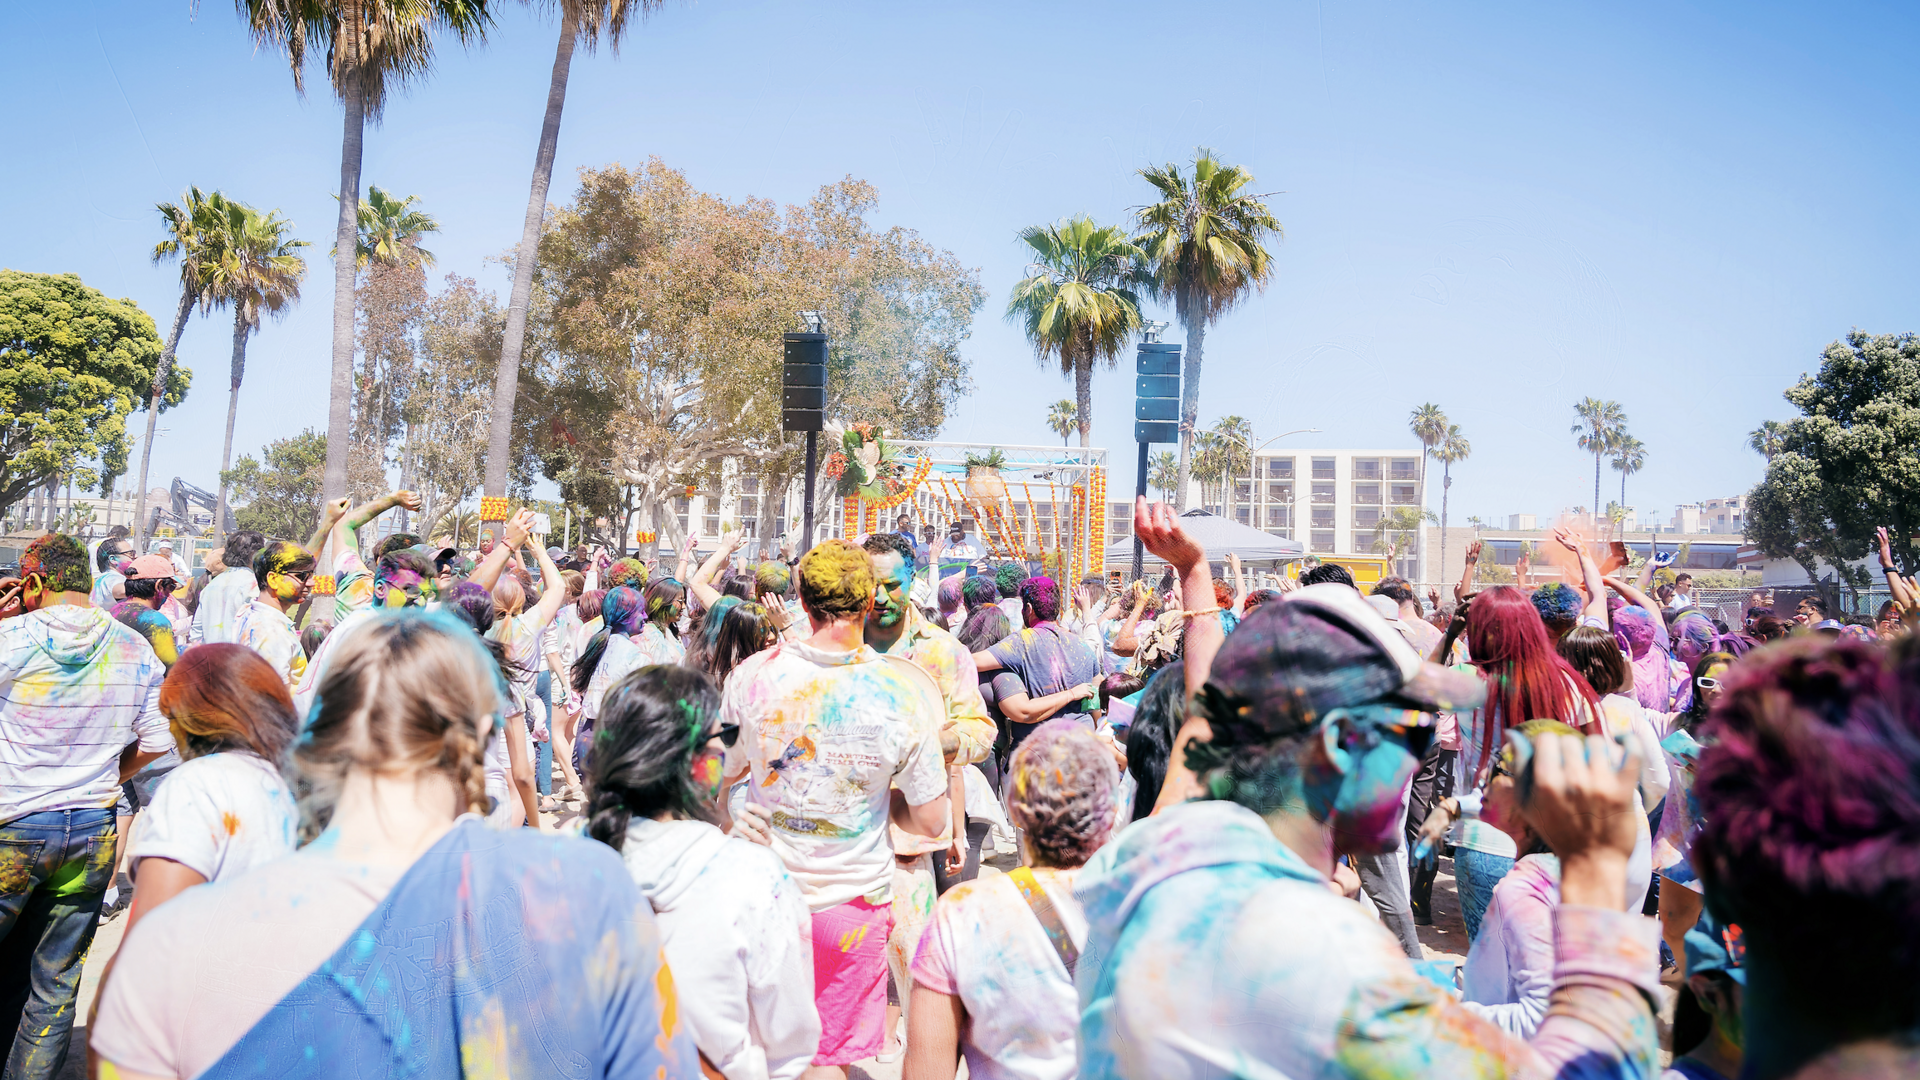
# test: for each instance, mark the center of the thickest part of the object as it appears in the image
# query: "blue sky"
(1500, 208)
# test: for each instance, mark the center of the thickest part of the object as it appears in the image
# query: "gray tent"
(1220, 538)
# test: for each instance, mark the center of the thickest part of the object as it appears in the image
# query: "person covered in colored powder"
(79, 715)
(1215, 946)
(874, 722)
(231, 590)
(285, 572)
(1058, 670)
(299, 967)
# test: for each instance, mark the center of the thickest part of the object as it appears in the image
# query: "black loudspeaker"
(803, 382)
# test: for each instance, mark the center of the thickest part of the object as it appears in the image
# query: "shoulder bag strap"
(1042, 907)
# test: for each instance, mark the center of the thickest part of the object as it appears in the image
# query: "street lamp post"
(1252, 450)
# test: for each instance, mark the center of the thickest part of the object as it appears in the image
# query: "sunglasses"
(728, 734)
(1707, 682)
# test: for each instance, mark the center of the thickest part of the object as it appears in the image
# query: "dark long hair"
(732, 630)
(986, 627)
(622, 610)
(1150, 738)
(651, 725)
(661, 595)
(1696, 713)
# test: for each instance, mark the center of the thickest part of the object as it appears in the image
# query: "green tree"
(1398, 528)
(389, 232)
(1163, 472)
(1629, 457)
(1601, 423)
(259, 271)
(1078, 303)
(1767, 439)
(1236, 450)
(281, 487)
(195, 231)
(1452, 447)
(446, 447)
(582, 22)
(391, 298)
(73, 364)
(371, 48)
(1205, 241)
(1060, 418)
(1849, 463)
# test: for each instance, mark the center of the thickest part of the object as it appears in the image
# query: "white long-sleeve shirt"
(737, 937)
(217, 619)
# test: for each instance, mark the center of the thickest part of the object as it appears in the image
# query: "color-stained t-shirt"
(660, 647)
(218, 815)
(985, 947)
(823, 737)
(1049, 660)
(942, 656)
(77, 687)
(214, 620)
(352, 585)
(268, 631)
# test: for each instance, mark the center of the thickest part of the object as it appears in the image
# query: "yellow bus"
(1367, 570)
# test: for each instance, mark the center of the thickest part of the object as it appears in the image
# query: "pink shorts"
(850, 980)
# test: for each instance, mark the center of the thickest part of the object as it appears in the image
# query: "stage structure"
(1044, 505)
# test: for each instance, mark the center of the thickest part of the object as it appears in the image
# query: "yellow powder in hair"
(836, 578)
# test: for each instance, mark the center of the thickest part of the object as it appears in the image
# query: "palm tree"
(1209, 466)
(582, 22)
(193, 236)
(261, 269)
(1629, 457)
(1451, 447)
(1601, 424)
(1061, 417)
(1077, 303)
(1429, 425)
(1236, 451)
(1397, 529)
(1204, 239)
(388, 232)
(1164, 473)
(1768, 439)
(371, 48)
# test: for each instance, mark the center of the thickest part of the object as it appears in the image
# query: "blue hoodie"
(1214, 951)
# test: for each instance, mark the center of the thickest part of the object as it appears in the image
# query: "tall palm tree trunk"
(1623, 491)
(1083, 398)
(1189, 408)
(506, 381)
(1446, 489)
(346, 236)
(160, 373)
(233, 409)
(1596, 485)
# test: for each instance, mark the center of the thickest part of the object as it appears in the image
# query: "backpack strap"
(1042, 907)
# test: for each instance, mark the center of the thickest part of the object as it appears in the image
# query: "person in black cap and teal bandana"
(1709, 1042)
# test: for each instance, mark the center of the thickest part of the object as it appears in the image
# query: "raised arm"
(1125, 640)
(330, 515)
(1160, 531)
(554, 588)
(1900, 588)
(488, 572)
(1596, 607)
(1237, 578)
(1465, 586)
(365, 512)
(1632, 595)
(702, 584)
(1644, 580)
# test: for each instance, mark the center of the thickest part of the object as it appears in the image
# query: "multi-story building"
(1332, 501)
(1724, 515)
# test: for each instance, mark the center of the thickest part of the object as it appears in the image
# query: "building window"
(710, 525)
(1364, 542)
(1401, 494)
(680, 511)
(1243, 514)
(1366, 517)
(1280, 468)
(1278, 491)
(1364, 469)
(1367, 493)
(1321, 541)
(1323, 517)
(1279, 517)
(750, 485)
(1243, 490)
(1323, 468)
(749, 507)
(1405, 468)
(1323, 493)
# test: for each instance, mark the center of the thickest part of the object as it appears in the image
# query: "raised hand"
(519, 528)
(336, 509)
(407, 500)
(1578, 795)
(1886, 547)
(1566, 540)
(1159, 530)
(1473, 552)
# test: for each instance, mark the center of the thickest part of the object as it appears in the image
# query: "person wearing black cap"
(1215, 946)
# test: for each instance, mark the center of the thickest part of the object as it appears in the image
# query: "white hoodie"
(738, 941)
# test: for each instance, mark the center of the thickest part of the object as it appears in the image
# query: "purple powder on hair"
(1633, 629)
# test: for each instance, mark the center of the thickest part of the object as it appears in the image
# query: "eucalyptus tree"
(1205, 242)
(371, 49)
(194, 235)
(1078, 303)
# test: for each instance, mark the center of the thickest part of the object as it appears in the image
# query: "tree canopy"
(1849, 463)
(281, 487)
(73, 364)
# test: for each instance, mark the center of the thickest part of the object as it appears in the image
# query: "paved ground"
(1446, 939)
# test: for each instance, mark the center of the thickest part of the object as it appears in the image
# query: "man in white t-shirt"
(79, 714)
(826, 726)
(285, 572)
(230, 590)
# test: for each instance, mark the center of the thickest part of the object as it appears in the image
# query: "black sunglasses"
(728, 734)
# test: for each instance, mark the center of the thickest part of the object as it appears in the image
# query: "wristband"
(1201, 611)
(1470, 804)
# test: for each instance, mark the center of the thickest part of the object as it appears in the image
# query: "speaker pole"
(813, 453)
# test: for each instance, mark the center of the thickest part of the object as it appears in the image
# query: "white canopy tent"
(1219, 538)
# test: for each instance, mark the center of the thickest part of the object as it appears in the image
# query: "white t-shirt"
(218, 815)
(220, 605)
(825, 736)
(985, 947)
(266, 630)
(620, 657)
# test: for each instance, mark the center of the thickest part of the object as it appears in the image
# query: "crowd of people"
(330, 782)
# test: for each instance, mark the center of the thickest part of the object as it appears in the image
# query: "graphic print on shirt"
(827, 784)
